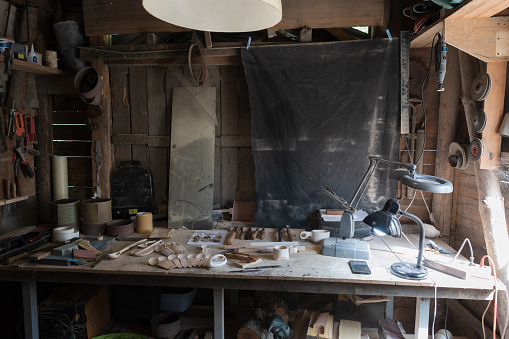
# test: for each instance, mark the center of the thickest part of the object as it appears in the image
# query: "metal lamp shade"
(385, 220)
(219, 15)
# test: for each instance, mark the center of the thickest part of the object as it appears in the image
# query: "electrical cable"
(461, 248)
(422, 97)
(434, 314)
(482, 320)
(445, 320)
(494, 272)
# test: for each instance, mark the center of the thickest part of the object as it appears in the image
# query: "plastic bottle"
(32, 57)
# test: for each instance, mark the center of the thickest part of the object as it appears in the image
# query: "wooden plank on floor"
(121, 110)
(157, 125)
(191, 178)
(139, 117)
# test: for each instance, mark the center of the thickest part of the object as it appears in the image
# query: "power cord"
(494, 273)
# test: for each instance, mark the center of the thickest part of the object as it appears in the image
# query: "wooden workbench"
(307, 272)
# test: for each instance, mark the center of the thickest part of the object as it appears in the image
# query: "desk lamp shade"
(385, 221)
(217, 15)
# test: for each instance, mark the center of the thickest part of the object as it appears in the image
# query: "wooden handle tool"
(248, 234)
(261, 235)
(239, 232)
(255, 234)
(289, 233)
(230, 237)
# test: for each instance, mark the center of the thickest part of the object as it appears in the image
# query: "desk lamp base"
(408, 270)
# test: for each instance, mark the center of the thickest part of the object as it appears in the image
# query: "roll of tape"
(61, 234)
(217, 260)
(144, 223)
(60, 178)
(281, 253)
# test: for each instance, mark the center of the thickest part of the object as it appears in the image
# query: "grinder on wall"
(90, 85)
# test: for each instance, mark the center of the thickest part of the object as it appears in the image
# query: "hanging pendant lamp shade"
(217, 15)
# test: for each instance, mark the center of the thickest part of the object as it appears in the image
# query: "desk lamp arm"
(421, 234)
(373, 163)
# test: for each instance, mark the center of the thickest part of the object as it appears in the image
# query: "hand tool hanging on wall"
(23, 163)
(19, 125)
(30, 138)
(440, 61)
(8, 58)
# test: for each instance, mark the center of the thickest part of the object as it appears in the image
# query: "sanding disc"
(479, 120)
(481, 87)
(476, 149)
(458, 157)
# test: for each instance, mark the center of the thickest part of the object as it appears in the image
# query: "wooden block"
(83, 254)
(86, 245)
(243, 264)
(445, 269)
(39, 255)
(349, 329)
(334, 212)
(230, 237)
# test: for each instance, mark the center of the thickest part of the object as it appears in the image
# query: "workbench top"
(307, 272)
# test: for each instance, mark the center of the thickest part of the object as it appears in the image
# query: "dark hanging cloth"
(317, 112)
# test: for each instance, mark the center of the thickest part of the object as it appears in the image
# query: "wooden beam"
(425, 37)
(129, 16)
(484, 38)
(102, 135)
(44, 131)
(447, 117)
(208, 39)
(494, 108)
(478, 9)
(164, 141)
(491, 201)
(468, 319)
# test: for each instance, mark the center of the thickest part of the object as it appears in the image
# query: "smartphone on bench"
(359, 267)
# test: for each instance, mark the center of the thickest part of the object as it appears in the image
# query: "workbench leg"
(389, 308)
(422, 318)
(218, 313)
(29, 290)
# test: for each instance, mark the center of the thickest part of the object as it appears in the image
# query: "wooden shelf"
(24, 66)
(13, 200)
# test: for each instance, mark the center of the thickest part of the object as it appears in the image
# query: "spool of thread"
(60, 179)
(144, 223)
(50, 59)
(61, 234)
(281, 253)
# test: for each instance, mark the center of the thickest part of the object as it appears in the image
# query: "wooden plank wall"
(72, 138)
(431, 100)
(141, 105)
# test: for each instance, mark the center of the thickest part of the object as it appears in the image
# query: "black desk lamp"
(386, 222)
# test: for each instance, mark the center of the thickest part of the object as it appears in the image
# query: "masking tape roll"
(216, 260)
(61, 234)
(60, 178)
(144, 223)
(281, 253)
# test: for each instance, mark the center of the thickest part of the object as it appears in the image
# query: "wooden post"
(102, 135)
(491, 202)
(44, 130)
(447, 117)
